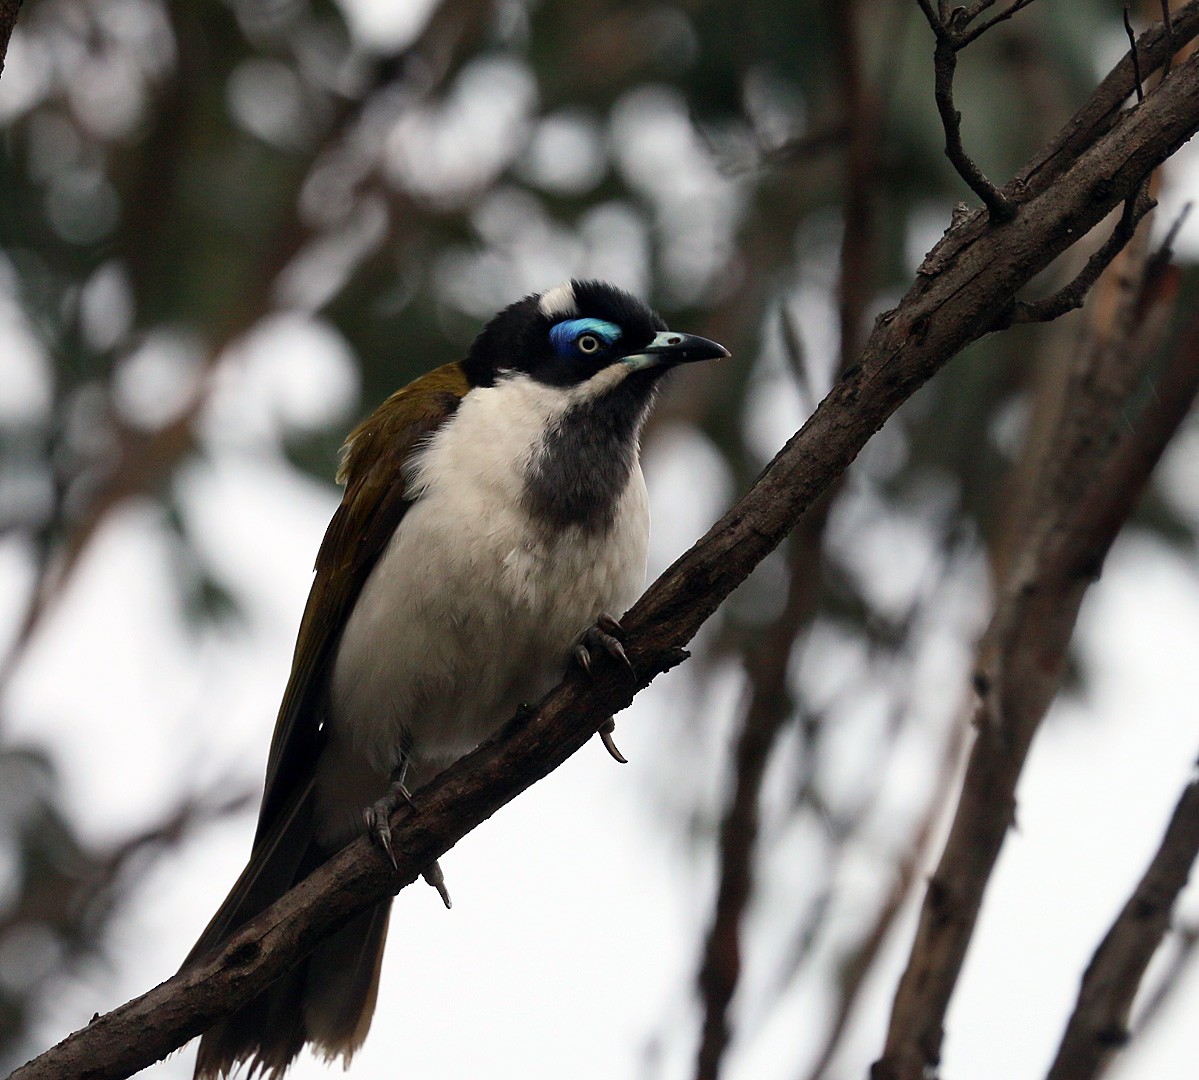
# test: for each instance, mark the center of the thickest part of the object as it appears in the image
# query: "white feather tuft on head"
(559, 302)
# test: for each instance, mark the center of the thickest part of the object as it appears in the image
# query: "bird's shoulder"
(389, 434)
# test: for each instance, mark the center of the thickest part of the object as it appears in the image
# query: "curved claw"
(616, 649)
(605, 734)
(609, 624)
(433, 876)
(377, 817)
(606, 634)
(378, 828)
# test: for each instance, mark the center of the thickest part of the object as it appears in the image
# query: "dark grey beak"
(669, 347)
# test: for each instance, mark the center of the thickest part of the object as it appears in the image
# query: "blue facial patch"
(563, 335)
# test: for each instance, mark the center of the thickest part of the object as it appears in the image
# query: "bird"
(494, 515)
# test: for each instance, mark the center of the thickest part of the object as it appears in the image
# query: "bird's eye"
(587, 344)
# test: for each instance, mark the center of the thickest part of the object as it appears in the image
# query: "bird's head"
(577, 365)
(585, 335)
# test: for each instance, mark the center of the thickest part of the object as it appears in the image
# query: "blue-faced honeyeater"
(494, 516)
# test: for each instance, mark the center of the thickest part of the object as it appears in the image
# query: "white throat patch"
(558, 302)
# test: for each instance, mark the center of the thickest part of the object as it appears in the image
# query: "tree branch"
(1137, 84)
(1102, 110)
(1099, 1024)
(945, 60)
(1086, 492)
(951, 28)
(908, 345)
(1072, 296)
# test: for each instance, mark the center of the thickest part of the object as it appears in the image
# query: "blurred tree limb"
(767, 661)
(1087, 491)
(1099, 1025)
(971, 278)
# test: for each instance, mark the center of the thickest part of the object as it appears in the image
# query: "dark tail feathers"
(328, 999)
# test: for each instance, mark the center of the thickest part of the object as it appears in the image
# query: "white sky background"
(578, 910)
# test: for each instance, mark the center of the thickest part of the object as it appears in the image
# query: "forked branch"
(953, 33)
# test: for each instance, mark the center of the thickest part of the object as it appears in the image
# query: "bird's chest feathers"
(530, 505)
(482, 590)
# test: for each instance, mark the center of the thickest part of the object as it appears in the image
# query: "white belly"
(472, 608)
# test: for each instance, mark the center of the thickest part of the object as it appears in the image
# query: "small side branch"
(1099, 1025)
(1136, 60)
(1072, 296)
(1168, 23)
(951, 38)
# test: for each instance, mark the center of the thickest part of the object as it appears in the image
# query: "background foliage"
(230, 227)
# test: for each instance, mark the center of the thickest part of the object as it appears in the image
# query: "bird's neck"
(585, 461)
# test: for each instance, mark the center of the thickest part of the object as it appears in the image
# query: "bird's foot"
(378, 827)
(606, 634)
(377, 817)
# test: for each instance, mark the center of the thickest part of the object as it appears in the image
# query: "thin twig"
(945, 58)
(936, 20)
(969, 14)
(1136, 61)
(1154, 49)
(1073, 295)
(1166, 252)
(1103, 111)
(973, 35)
(1167, 22)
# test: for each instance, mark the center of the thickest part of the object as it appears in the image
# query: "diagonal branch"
(937, 318)
(1099, 1024)
(1104, 108)
(1086, 491)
